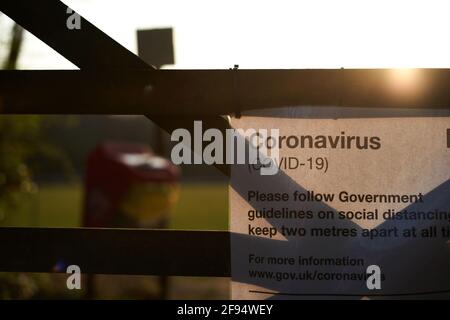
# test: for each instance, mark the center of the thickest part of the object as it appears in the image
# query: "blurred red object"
(127, 185)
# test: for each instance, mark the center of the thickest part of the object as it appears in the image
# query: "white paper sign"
(350, 193)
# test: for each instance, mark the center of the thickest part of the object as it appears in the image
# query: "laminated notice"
(359, 207)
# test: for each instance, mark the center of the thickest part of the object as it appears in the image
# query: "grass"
(201, 206)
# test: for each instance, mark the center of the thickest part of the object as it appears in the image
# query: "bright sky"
(273, 34)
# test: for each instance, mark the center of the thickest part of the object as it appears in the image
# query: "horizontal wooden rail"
(217, 92)
(116, 251)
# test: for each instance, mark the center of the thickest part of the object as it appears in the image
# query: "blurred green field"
(201, 206)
